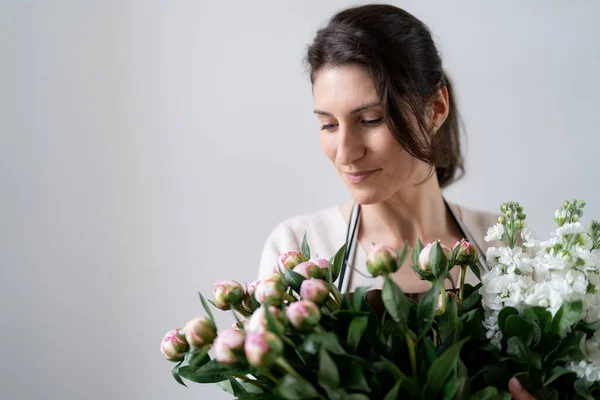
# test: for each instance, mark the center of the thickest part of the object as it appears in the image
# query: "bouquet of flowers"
(535, 315)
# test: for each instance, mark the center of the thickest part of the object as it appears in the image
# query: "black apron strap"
(351, 233)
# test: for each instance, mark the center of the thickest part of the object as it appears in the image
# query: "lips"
(356, 177)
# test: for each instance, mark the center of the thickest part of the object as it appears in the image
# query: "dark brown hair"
(397, 50)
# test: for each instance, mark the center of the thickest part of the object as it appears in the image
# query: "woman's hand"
(517, 391)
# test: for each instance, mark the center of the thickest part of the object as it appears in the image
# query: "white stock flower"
(591, 307)
(528, 238)
(491, 256)
(515, 259)
(544, 295)
(570, 229)
(500, 290)
(494, 233)
(585, 369)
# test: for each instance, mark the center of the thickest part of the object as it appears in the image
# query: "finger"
(517, 391)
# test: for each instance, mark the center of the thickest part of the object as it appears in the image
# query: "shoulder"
(477, 222)
(475, 218)
(323, 229)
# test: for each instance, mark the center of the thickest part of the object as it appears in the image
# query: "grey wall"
(147, 148)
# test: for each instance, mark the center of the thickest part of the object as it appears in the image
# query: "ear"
(440, 108)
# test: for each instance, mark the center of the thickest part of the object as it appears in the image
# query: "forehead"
(342, 88)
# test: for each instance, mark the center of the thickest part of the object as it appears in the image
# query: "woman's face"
(354, 136)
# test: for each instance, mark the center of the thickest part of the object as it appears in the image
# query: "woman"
(389, 124)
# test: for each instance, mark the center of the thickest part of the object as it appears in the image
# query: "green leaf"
(330, 272)
(409, 385)
(358, 295)
(567, 315)
(356, 396)
(444, 366)
(305, 248)
(355, 331)
(426, 309)
(271, 324)
(571, 348)
(582, 389)
(328, 375)
(439, 263)
(355, 379)
(197, 357)
(396, 303)
(402, 254)
(475, 270)
(206, 307)
(555, 373)
(449, 322)
(504, 314)
(338, 259)
(519, 352)
(472, 298)
(393, 394)
(326, 340)
(416, 251)
(485, 394)
(546, 393)
(238, 389)
(517, 326)
(292, 388)
(175, 373)
(539, 318)
(211, 372)
(590, 328)
(293, 279)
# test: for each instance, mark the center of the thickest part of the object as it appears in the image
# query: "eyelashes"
(370, 123)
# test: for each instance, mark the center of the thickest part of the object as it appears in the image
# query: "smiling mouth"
(357, 177)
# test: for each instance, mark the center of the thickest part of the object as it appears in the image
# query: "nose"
(350, 147)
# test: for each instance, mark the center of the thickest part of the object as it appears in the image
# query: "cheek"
(328, 145)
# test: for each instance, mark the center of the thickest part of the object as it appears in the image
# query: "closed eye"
(373, 122)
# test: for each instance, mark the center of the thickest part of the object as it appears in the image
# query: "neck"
(418, 212)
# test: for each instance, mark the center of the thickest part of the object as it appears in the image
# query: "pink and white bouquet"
(535, 315)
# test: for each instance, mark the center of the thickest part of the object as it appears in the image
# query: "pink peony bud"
(291, 259)
(309, 269)
(258, 321)
(424, 262)
(262, 349)
(173, 345)
(382, 260)
(235, 325)
(229, 347)
(270, 290)
(466, 254)
(315, 290)
(227, 294)
(303, 315)
(199, 332)
(249, 302)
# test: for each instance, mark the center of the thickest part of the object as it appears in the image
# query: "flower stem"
(289, 297)
(250, 381)
(287, 367)
(463, 273)
(336, 294)
(413, 358)
(269, 375)
(443, 294)
(241, 311)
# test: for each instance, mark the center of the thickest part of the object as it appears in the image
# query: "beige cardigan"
(326, 233)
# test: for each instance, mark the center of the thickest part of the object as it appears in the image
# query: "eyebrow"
(359, 109)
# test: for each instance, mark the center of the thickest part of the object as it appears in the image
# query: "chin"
(365, 196)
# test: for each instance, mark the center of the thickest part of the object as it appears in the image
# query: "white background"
(147, 149)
